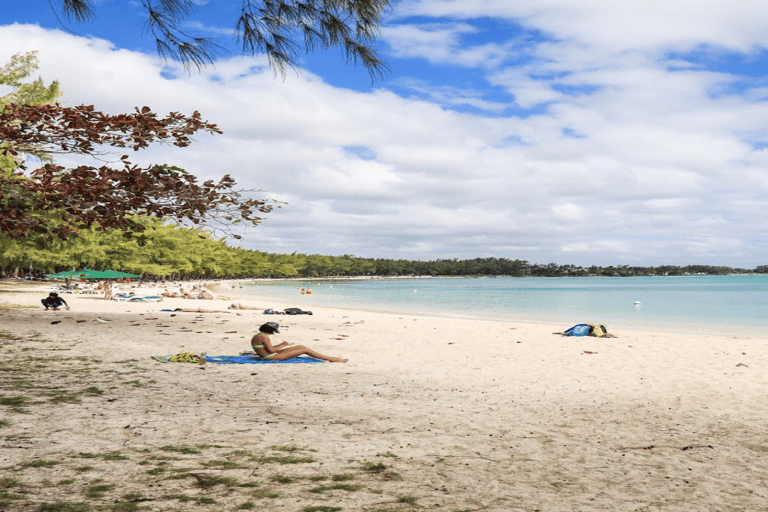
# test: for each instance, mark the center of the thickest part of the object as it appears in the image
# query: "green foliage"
(166, 249)
(278, 29)
(15, 74)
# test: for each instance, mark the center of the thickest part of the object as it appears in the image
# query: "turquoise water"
(718, 304)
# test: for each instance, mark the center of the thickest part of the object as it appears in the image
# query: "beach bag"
(296, 311)
(599, 331)
(579, 330)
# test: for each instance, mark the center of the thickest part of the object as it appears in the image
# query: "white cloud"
(621, 159)
(620, 24)
(442, 43)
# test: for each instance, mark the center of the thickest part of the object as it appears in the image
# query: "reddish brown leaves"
(56, 200)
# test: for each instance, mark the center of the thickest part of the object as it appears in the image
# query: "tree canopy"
(164, 249)
(270, 27)
(14, 75)
(54, 200)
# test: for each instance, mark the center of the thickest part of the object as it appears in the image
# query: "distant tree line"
(167, 250)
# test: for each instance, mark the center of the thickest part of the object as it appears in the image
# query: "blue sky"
(549, 130)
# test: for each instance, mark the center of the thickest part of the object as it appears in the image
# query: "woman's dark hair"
(270, 328)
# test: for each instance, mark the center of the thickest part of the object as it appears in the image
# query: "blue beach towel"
(258, 360)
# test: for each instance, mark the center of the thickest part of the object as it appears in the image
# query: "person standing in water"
(262, 345)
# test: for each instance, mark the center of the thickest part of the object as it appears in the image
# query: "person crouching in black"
(53, 301)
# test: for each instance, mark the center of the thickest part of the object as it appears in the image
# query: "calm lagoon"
(735, 305)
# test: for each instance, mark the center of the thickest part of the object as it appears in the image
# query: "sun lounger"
(146, 298)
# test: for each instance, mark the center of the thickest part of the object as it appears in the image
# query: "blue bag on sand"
(579, 330)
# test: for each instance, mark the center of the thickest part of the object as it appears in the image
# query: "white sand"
(480, 415)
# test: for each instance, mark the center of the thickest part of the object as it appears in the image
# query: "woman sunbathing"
(237, 305)
(263, 347)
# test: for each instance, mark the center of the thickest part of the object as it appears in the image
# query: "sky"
(586, 133)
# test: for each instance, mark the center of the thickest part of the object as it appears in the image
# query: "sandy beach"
(429, 413)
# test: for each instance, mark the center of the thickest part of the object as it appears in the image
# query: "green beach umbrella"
(91, 274)
(114, 274)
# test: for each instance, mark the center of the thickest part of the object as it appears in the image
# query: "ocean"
(735, 305)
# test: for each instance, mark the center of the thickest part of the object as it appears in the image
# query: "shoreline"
(312, 300)
(458, 414)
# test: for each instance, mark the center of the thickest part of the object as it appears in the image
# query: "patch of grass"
(291, 449)
(342, 478)
(282, 479)
(373, 467)
(104, 456)
(240, 454)
(184, 473)
(4, 423)
(222, 464)
(277, 459)
(179, 497)
(336, 487)
(6, 497)
(68, 481)
(124, 506)
(248, 505)
(155, 471)
(206, 481)
(263, 493)
(64, 506)
(14, 306)
(249, 484)
(114, 456)
(184, 499)
(39, 464)
(389, 454)
(320, 508)
(97, 490)
(186, 450)
(8, 482)
(287, 459)
(83, 469)
(204, 446)
(63, 397)
(163, 457)
(93, 390)
(410, 500)
(14, 401)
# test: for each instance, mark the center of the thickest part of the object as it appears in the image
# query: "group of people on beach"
(261, 343)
